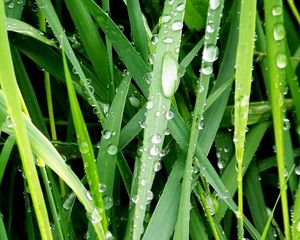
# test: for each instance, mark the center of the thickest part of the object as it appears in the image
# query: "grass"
(174, 119)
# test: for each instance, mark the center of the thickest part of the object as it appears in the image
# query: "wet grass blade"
(5, 154)
(244, 61)
(12, 97)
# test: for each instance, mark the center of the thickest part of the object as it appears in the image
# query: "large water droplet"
(106, 134)
(112, 149)
(157, 166)
(154, 150)
(210, 53)
(176, 26)
(278, 32)
(221, 164)
(134, 101)
(214, 4)
(170, 81)
(281, 60)
(168, 40)
(68, 202)
(297, 170)
(277, 11)
(83, 147)
(210, 28)
(207, 70)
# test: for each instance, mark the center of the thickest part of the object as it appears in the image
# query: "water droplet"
(279, 32)
(74, 70)
(201, 88)
(154, 39)
(106, 134)
(169, 115)
(68, 202)
(170, 81)
(180, 7)
(286, 124)
(89, 196)
(297, 170)
(171, 2)
(121, 27)
(95, 217)
(207, 70)
(281, 60)
(168, 40)
(214, 4)
(112, 149)
(149, 196)
(11, 5)
(157, 166)
(156, 139)
(108, 235)
(102, 187)
(8, 122)
(135, 199)
(83, 147)
(149, 105)
(151, 59)
(154, 150)
(277, 11)
(176, 26)
(134, 101)
(166, 18)
(210, 28)
(221, 164)
(142, 124)
(107, 202)
(148, 77)
(210, 53)
(143, 182)
(167, 132)
(244, 101)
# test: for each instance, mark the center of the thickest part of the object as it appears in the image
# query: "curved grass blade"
(87, 152)
(11, 92)
(3, 234)
(47, 9)
(277, 60)
(5, 154)
(209, 55)
(244, 61)
(296, 216)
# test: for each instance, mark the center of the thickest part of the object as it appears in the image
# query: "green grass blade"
(3, 234)
(109, 146)
(209, 55)
(47, 9)
(87, 152)
(12, 96)
(138, 28)
(93, 44)
(296, 216)
(244, 63)
(277, 60)
(5, 154)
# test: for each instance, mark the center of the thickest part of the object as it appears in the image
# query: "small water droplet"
(156, 139)
(278, 32)
(210, 53)
(171, 2)
(154, 39)
(106, 134)
(112, 149)
(95, 217)
(108, 235)
(277, 11)
(154, 150)
(157, 166)
(148, 77)
(169, 115)
(107, 202)
(8, 122)
(142, 124)
(102, 187)
(143, 182)
(210, 28)
(135, 199)
(134, 101)
(11, 5)
(180, 7)
(167, 132)
(207, 70)
(221, 164)
(281, 60)
(286, 124)
(214, 4)
(149, 105)
(83, 147)
(297, 170)
(168, 40)
(149, 196)
(166, 18)
(244, 101)
(176, 26)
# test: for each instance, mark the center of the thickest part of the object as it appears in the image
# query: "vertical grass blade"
(277, 60)
(87, 152)
(209, 56)
(244, 61)
(5, 154)
(10, 88)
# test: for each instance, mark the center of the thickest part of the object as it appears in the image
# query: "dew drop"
(148, 77)
(83, 147)
(210, 28)
(149, 196)
(134, 101)
(156, 139)
(168, 40)
(176, 26)
(8, 122)
(281, 60)
(68, 202)
(154, 39)
(11, 5)
(154, 150)
(166, 18)
(297, 170)
(210, 53)
(143, 182)
(107, 202)
(135, 199)
(207, 70)
(169, 78)
(108, 235)
(149, 105)
(169, 115)
(286, 124)
(112, 149)
(244, 101)
(180, 7)
(277, 11)
(167, 132)
(95, 218)
(89, 196)
(106, 134)
(151, 59)
(171, 2)
(157, 166)
(278, 32)
(221, 164)
(214, 4)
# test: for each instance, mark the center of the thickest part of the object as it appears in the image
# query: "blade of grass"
(10, 88)
(209, 55)
(5, 154)
(87, 152)
(244, 63)
(3, 234)
(277, 60)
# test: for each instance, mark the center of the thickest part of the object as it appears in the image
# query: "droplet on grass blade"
(169, 78)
